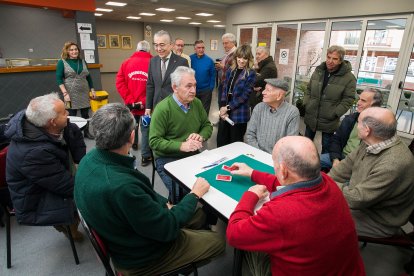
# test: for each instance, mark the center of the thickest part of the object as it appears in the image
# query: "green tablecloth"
(239, 184)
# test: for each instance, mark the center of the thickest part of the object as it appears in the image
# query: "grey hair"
(380, 129)
(178, 74)
(377, 99)
(304, 165)
(42, 109)
(143, 46)
(264, 49)
(162, 33)
(112, 125)
(339, 49)
(229, 36)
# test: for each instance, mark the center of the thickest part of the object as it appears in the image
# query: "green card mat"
(238, 184)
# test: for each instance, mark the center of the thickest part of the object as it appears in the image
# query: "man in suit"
(160, 68)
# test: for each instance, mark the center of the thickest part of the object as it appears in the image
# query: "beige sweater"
(381, 185)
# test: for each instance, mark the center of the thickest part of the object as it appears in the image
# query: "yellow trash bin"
(100, 100)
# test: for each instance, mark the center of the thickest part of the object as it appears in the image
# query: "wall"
(288, 10)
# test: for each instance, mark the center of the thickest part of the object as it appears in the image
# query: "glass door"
(246, 36)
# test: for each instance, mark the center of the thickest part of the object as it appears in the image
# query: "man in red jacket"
(131, 82)
(305, 228)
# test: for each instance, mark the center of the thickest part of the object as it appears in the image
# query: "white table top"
(185, 170)
(79, 121)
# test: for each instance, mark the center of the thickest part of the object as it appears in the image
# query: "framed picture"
(126, 42)
(213, 44)
(101, 41)
(114, 41)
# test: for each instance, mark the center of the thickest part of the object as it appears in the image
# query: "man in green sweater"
(145, 235)
(376, 178)
(179, 125)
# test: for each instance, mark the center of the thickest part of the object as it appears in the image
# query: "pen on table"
(215, 163)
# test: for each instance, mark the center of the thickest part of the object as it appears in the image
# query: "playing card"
(229, 168)
(222, 177)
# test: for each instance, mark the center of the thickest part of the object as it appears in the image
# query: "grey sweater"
(265, 128)
(380, 185)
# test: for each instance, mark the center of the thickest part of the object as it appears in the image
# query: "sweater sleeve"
(292, 122)
(60, 72)
(267, 179)
(251, 131)
(212, 73)
(121, 84)
(348, 97)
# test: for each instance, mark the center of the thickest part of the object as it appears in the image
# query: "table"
(79, 121)
(184, 173)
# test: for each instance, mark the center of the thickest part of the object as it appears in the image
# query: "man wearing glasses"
(160, 68)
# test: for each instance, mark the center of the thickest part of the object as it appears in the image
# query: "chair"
(9, 211)
(104, 258)
(153, 168)
(407, 104)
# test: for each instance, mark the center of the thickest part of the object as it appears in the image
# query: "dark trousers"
(326, 138)
(83, 111)
(205, 98)
(228, 134)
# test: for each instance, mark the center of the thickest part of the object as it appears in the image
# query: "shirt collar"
(182, 106)
(299, 185)
(377, 148)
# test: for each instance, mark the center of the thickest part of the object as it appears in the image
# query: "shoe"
(76, 235)
(145, 161)
(135, 146)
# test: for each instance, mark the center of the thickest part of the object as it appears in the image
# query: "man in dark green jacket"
(330, 93)
(145, 235)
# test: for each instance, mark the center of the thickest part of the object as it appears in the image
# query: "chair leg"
(8, 239)
(72, 244)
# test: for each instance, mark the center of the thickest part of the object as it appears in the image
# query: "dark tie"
(163, 67)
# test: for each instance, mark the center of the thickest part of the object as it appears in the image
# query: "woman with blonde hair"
(75, 82)
(234, 101)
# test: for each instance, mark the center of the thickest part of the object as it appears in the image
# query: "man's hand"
(260, 190)
(196, 137)
(242, 169)
(335, 162)
(66, 97)
(147, 112)
(169, 205)
(218, 65)
(191, 145)
(201, 187)
(223, 112)
(257, 89)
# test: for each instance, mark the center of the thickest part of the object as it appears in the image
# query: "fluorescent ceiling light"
(214, 21)
(371, 23)
(98, 14)
(393, 27)
(219, 26)
(194, 23)
(165, 9)
(104, 10)
(147, 14)
(166, 20)
(183, 17)
(133, 17)
(117, 4)
(204, 14)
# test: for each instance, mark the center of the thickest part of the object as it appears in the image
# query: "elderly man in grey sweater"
(272, 119)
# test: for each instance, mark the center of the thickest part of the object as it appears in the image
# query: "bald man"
(377, 178)
(288, 234)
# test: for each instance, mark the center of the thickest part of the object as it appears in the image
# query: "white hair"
(42, 109)
(143, 46)
(178, 74)
(230, 37)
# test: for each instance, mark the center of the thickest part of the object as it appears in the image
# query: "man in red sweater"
(305, 228)
(131, 83)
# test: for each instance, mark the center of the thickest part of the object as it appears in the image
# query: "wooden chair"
(9, 211)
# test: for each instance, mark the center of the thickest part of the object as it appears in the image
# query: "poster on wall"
(284, 56)
(89, 56)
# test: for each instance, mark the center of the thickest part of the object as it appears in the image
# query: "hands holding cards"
(241, 169)
(193, 142)
(201, 187)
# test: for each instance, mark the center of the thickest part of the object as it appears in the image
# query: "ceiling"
(182, 8)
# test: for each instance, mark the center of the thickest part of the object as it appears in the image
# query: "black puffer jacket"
(38, 172)
(267, 70)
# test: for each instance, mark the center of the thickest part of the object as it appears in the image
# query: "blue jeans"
(168, 182)
(145, 149)
(326, 138)
(326, 162)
